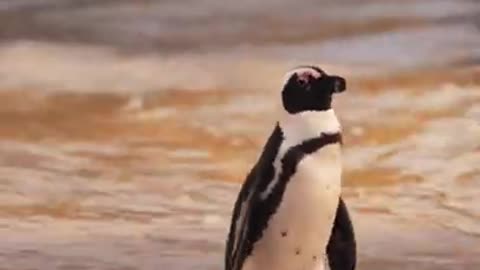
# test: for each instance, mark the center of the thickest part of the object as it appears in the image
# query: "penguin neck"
(305, 125)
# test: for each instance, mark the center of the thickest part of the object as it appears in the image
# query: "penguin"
(289, 214)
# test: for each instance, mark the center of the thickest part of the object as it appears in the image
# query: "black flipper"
(233, 255)
(258, 178)
(342, 247)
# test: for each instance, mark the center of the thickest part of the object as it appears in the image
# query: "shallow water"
(122, 145)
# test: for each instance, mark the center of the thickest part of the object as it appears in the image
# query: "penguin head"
(308, 88)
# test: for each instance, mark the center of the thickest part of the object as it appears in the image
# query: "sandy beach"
(127, 128)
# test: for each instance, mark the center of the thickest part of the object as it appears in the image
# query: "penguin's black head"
(308, 88)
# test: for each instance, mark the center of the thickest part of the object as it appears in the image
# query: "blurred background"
(127, 127)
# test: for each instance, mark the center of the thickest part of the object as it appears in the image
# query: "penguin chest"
(297, 234)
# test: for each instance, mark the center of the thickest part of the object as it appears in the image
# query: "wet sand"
(118, 186)
(122, 150)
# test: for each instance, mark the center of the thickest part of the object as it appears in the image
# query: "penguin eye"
(303, 79)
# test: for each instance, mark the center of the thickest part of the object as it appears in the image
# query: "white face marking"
(303, 73)
(297, 128)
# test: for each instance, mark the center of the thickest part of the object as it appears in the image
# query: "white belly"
(297, 236)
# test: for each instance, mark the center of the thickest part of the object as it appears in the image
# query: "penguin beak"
(338, 84)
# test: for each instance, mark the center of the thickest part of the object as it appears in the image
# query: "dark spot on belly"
(297, 251)
(284, 233)
(314, 258)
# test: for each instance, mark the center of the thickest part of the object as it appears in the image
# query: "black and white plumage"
(289, 214)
